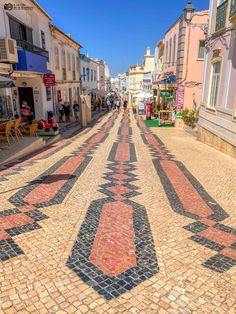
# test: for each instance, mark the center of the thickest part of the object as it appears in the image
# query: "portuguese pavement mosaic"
(101, 222)
(208, 215)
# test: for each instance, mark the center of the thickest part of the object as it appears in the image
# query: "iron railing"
(233, 8)
(221, 15)
(32, 48)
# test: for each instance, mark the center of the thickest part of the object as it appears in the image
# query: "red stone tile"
(119, 189)
(218, 236)
(121, 167)
(47, 190)
(208, 222)
(113, 250)
(123, 152)
(120, 176)
(13, 221)
(231, 253)
(27, 208)
(3, 235)
(187, 194)
(118, 198)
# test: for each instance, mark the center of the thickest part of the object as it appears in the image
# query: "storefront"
(7, 106)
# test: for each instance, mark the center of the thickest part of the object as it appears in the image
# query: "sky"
(117, 31)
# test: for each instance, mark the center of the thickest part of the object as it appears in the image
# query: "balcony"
(25, 45)
(221, 16)
(233, 12)
(31, 58)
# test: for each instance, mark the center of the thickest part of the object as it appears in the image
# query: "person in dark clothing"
(125, 104)
(76, 110)
(67, 111)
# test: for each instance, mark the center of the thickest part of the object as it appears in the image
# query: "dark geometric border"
(145, 251)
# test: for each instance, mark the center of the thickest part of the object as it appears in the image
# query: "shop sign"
(180, 98)
(49, 80)
(165, 94)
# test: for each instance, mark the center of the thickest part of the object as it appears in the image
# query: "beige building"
(66, 66)
(136, 76)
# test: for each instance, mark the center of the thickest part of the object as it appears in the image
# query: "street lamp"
(188, 12)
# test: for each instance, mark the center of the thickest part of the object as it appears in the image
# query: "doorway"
(26, 94)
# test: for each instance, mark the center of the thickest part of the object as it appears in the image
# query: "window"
(91, 75)
(167, 52)
(215, 80)
(170, 50)
(87, 70)
(77, 64)
(49, 93)
(174, 49)
(221, 14)
(57, 64)
(19, 31)
(84, 75)
(63, 59)
(95, 75)
(43, 42)
(69, 61)
(201, 49)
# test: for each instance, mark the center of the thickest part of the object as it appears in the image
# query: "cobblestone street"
(119, 218)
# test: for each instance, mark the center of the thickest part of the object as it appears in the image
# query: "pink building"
(184, 60)
(217, 121)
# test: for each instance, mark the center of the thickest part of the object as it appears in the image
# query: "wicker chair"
(6, 131)
(17, 128)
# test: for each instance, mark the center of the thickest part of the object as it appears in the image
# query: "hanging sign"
(180, 98)
(49, 80)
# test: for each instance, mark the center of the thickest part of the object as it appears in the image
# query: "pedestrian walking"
(76, 110)
(125, 104)
(108, 104)
(61, 110)
(118, 105)
(67, 111)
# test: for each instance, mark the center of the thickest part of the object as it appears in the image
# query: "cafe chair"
(6, 131)
(17, 128)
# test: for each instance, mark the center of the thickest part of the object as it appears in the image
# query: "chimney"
(148, 51)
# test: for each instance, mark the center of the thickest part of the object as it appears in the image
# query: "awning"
(6, 82)
(166, 79)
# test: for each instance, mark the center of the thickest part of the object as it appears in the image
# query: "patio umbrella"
(143, 95)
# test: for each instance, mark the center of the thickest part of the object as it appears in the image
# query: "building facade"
(136, 76)
(217, 117)
(28, 24)
(65, 66)
(184, 54)
(89, 73)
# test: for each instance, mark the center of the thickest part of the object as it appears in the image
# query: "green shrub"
(190, 117)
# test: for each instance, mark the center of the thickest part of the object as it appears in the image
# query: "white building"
(27, 23)
(89, 73)
(66, 66)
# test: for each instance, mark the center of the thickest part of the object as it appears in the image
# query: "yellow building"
(136, 76)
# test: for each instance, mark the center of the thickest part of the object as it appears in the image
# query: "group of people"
(115, 104)
(65, 110)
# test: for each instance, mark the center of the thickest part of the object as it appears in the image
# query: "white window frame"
(218, 75)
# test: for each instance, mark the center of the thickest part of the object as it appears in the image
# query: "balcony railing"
(233, 8)
(221, 15)
(32, 48)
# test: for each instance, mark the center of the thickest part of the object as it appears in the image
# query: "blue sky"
(117, 31)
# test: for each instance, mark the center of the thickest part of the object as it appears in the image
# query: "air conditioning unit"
(8, 50)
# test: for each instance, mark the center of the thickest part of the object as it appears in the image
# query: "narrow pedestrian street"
(120, 218)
